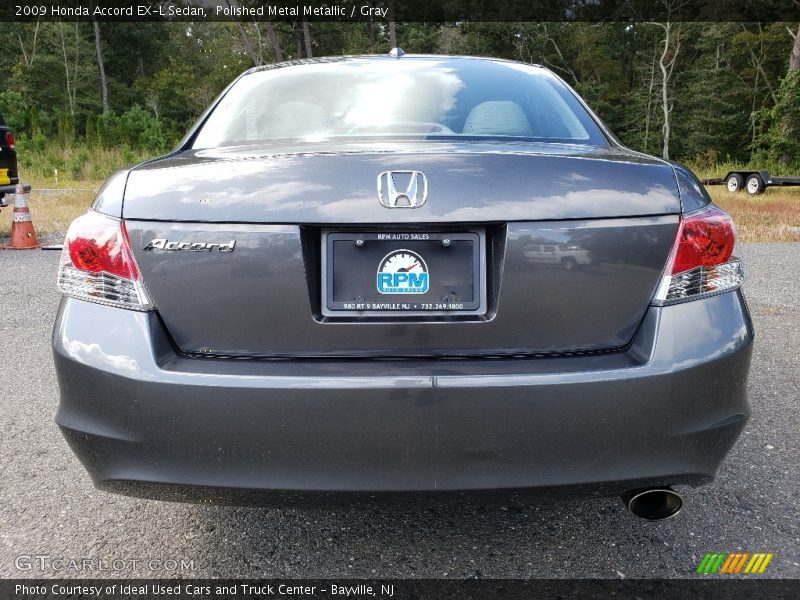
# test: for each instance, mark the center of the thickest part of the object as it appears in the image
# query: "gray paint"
(665, 410)
(693, 193)
(467, 183)
(596, 389)
(109, 197)
(260, 298)
(243, 304)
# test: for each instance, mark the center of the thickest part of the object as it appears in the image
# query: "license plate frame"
(429, 243)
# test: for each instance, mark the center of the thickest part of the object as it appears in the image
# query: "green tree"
(781, 140)
(712, 115)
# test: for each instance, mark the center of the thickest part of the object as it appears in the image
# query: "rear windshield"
(417, 98)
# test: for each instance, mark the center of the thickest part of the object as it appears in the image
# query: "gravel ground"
(49, 507)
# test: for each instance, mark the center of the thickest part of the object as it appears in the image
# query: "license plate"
(403, 273)
(4, 178)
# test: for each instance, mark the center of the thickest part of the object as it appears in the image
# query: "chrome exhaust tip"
(653, 504)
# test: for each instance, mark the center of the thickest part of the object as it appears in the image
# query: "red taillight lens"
(97, 264)
(97, 244)
(702, 260)
(10, 141)
(704, 239)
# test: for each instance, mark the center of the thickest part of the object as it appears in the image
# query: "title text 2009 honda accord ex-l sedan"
(402, 274)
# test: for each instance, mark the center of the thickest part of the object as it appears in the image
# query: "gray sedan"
(336, 285)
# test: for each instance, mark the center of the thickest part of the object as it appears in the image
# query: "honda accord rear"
(401, 274)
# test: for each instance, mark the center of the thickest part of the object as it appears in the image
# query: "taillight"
(701, 261)
(97, 264)
(10, 141)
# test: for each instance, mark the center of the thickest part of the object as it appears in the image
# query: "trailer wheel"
(734, 183)
(755, 185)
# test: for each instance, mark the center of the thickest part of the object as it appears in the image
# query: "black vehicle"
(9, 177)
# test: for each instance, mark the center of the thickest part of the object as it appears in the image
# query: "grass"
(77, 170)
(773, 216)
(769, 217)
(55, 166)
(52, 212)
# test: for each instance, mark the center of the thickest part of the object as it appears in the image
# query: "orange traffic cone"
(23, 236)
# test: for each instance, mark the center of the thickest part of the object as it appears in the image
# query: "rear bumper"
(144, 419)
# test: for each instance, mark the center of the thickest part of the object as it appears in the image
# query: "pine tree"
(91, 136)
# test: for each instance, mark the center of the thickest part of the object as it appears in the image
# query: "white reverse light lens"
(700, 281)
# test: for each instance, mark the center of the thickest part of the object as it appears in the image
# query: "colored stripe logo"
(733, 563)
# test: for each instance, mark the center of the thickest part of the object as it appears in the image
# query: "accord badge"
(165, 244)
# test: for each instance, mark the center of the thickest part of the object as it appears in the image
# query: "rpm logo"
(402, 272)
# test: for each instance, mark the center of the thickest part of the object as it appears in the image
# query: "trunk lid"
(575, 243)
(467, 183)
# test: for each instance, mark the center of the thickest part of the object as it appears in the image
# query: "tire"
(569, 263)
(734, 183)
(755, 185)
